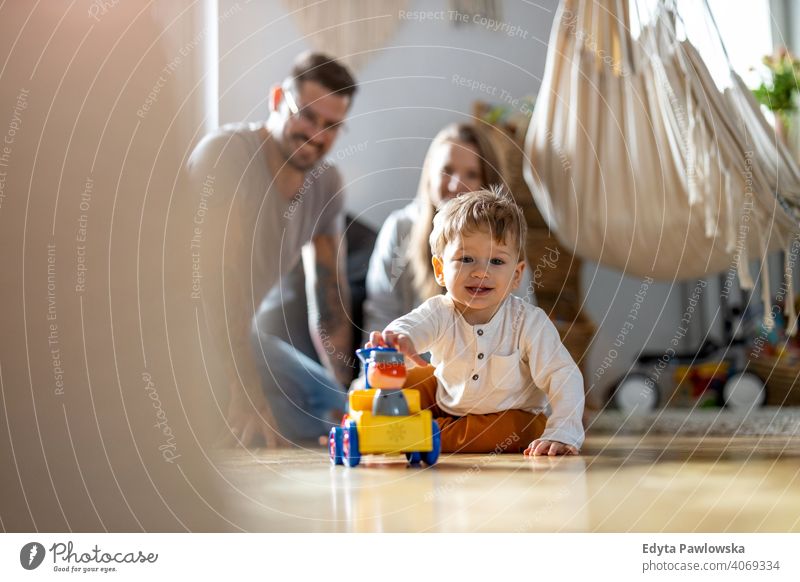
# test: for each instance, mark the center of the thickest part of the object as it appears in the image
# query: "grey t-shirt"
(233, 156)
(262, 233)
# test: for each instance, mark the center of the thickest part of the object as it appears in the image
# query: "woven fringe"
(788, 278)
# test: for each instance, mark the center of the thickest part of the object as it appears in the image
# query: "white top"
(390, 279)
(516, 361)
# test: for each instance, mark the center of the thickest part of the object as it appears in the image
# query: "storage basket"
(782, 380)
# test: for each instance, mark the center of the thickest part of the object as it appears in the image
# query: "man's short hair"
(485, 210)
(322, 69)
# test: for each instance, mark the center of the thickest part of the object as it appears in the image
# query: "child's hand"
(400, 341)
(550, 448)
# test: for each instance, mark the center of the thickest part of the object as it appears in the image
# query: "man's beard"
(290, 152)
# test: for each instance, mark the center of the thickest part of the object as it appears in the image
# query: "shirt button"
(475, 377)
(480, 356)
(480, 332)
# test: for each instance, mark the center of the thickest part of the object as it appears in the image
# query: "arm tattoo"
(330, 308)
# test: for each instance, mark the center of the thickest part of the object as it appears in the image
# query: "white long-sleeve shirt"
(515, 361)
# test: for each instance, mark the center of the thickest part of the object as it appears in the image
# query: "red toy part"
(386, 375)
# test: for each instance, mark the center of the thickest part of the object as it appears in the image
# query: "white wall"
(406, 92)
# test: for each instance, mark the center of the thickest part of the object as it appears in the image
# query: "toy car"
(385, 418)
(710, 377)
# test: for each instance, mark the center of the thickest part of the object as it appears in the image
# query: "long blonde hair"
(419, 251)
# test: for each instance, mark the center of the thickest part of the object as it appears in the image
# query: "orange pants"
(510, 431)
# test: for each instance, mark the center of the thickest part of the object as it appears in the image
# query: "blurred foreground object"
(106, 406)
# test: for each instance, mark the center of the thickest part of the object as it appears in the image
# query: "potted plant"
(779, 93)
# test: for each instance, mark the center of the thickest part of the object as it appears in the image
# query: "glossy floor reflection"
(619, 484)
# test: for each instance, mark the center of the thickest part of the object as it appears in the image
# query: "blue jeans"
(305, 400)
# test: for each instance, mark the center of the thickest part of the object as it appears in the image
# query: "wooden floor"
(619, 484)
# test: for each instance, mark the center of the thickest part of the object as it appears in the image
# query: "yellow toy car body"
(391, 434)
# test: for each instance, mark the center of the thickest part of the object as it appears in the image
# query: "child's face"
(478, 272)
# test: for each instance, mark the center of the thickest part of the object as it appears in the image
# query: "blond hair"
(481, 211)
(419, 250)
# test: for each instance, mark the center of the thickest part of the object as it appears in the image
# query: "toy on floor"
(712, 376)
(384, 418)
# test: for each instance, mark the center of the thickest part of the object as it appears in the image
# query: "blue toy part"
(432, 456)
(352, 456)
(364, 355)
(335, 445)
(414, 458)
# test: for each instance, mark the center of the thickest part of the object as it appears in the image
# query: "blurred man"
(267, 193)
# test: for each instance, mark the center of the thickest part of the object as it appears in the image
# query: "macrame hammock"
(638, 161)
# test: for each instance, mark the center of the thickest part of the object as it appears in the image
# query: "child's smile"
(480, 290)
(479, 273)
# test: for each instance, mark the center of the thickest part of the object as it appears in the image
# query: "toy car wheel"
(335, 445)
(744, 391)
(414, 458)
(352, 456)
(431, 457)
(637, 393)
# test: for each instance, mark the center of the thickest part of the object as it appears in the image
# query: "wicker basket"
(782, 380)
(555, 273)
(509, 143)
